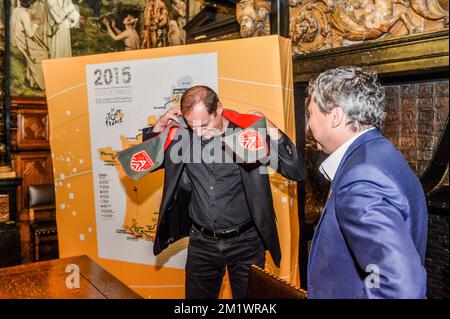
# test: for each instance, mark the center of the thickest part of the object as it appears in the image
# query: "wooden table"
(47, 280)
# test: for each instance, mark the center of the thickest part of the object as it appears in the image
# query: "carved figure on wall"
(310, 28)
(253, 17)
(322, 24)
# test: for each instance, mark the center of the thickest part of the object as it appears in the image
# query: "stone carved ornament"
(322, 24)
(253, 17)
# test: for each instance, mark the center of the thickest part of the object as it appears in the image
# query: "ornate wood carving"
(411, 54)
(253, 17)
(33, 130)
(323, 24)
(416, 115)
(31, 157)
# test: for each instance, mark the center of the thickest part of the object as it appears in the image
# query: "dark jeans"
(207, 258)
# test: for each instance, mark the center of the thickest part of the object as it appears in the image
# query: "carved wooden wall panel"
(323, 24)
(33, 130)
(35, 167)
(416, 115)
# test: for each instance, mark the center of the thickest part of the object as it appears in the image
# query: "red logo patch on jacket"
(251, 140)
(141, 162)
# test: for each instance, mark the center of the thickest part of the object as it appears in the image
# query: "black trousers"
(208, 257)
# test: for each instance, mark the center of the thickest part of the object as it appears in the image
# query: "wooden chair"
(41, 209)
(264, 285)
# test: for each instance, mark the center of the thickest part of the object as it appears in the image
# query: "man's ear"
(219, 109)
(337, 116)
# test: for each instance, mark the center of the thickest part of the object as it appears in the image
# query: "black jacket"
(174, 222)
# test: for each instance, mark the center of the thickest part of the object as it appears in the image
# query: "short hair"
(197, 94)
(358, 93)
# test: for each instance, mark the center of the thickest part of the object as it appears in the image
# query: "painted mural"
(49, 29)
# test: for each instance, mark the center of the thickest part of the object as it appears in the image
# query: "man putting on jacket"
(222, 203)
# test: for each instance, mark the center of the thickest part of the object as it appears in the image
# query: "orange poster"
(98, 106)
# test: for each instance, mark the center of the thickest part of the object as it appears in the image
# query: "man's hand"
(172, 114)
(272, 130)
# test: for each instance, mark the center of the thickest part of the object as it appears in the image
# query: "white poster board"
(122, 96)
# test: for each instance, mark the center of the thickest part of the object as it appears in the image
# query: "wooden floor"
(49, 280)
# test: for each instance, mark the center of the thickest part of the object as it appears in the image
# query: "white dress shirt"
(329, 166)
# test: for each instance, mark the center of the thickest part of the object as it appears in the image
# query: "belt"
(225, 233)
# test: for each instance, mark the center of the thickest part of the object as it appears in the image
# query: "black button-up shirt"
(218, 200)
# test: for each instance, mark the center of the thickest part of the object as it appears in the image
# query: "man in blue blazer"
(371, 238)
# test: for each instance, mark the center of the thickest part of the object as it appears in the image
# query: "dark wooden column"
(279, 18)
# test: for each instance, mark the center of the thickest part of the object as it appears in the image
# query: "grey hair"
(358, 93)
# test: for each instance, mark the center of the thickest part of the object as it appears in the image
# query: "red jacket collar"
(241, 120)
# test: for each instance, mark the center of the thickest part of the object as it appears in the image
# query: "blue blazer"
(371, 238)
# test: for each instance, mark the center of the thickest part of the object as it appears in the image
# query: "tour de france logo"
(141, 162)
(251, 140)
